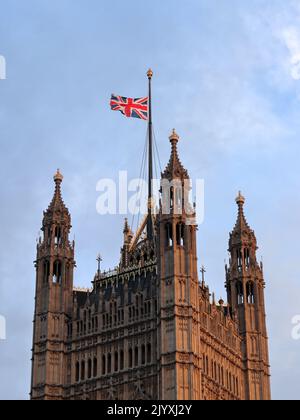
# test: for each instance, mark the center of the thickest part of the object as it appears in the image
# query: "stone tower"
(54, 300)
(245, 288)
(179, 329)
(148, 329)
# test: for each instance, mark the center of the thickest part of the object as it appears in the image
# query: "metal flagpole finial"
(150, 74)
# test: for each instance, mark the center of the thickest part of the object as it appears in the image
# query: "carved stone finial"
(174, 137)
(58, 178)
(240, 200)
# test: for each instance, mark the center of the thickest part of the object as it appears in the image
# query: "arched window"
(57, 237)
(240, 292)
(83, 370)
(250, 293)
(247, 258)
(121, 360)
(95, 367)
(178, 198)
(77, 372)
(136, 356)
(169, 235)
(137, 306)
(149, 353)
(239, 259)
(89, 369)
(109, 363)
(180, 228)
(116, 361)
(130, 358)
(143, 354)
(103, 365)
(46, 272)
(57, 272)
(171, 198)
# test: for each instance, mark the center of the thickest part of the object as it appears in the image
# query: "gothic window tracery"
(247, 258)
(240, 292)
(58, 236)
(250, 293)
(180, 230)
(169, 235)
(239, 260)
(57, 272)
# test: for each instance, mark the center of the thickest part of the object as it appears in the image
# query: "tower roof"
(174, 169)
(241, 223)
(242, 228)
(57, 206)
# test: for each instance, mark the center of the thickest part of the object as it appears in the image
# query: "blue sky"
(227, 76)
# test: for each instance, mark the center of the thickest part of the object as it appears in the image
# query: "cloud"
(291, 37)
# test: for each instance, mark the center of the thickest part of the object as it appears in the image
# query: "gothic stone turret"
(245, 288)
(180, 376)
(54, 299)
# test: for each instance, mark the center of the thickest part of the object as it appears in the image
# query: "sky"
(226, 76)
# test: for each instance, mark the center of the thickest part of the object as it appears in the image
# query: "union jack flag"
(135, 108)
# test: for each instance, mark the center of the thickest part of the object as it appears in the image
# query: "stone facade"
(150, 329)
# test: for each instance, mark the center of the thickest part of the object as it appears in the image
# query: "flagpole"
(150, 179)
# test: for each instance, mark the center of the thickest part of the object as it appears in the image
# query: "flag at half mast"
(141, 108)
(131, 107)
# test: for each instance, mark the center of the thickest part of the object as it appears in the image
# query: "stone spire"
(242, 227)
(175, 169)
(57, 207)
(128, 235)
